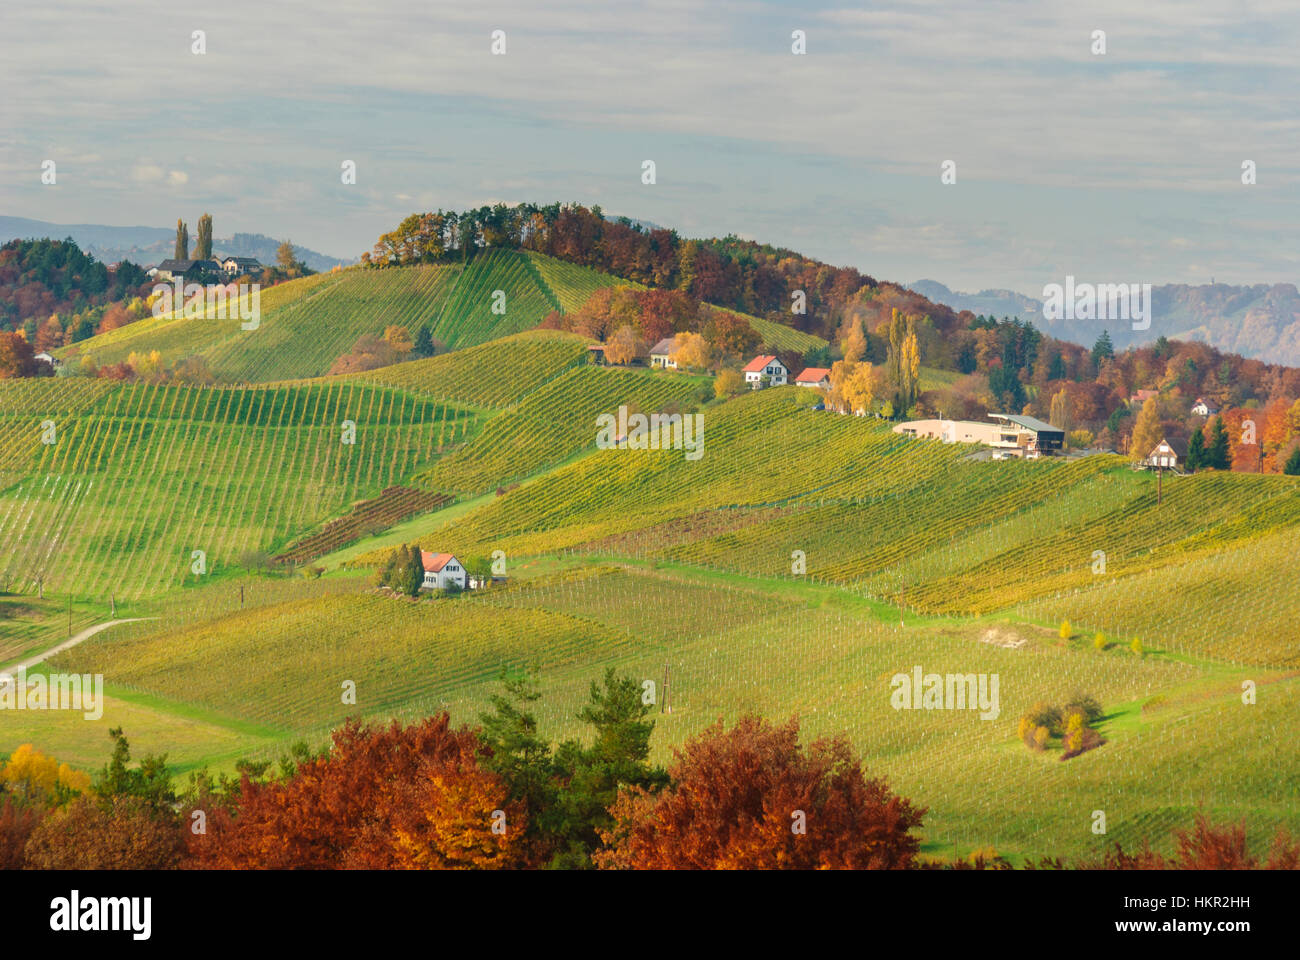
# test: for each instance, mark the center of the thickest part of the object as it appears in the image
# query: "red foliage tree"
(391, 797)
(738, 798)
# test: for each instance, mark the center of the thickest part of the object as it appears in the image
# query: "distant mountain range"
(1260, 321)
(148, 245)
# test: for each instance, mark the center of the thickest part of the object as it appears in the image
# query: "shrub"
(1099, 641)
(1136, 647)
(1065, 632)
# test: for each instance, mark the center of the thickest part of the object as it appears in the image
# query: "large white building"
(1012, 434)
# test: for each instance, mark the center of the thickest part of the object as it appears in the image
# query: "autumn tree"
(17, 358)
(1292, 467)
(691, 351)
(1062, 411)
(853, 386)
(399, 338)
(729, 382)
(753, 797)
(1146, 432)
(114, 833)
(285, 257)
(624, 346)
(394, 797)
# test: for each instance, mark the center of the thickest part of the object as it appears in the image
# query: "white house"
(236, 266)
(53, 361)
(1204, 408)
(766, 366)
(1168, 455)
(661, 354)
(441, 570)
(818, 377)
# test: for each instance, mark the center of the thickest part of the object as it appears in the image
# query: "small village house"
(442, 570)
(49, 358)
(1204, 408)
(238, 266)
(818, 377)
(596, 353)
(195, 271)
(1142, 396)
(661, 354)
(1167, 455)
(766, 366)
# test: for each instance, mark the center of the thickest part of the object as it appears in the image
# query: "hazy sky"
(1117, 168)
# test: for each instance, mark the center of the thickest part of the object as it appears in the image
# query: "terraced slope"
(139, 477)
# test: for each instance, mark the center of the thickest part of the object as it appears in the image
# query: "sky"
(1117, 167)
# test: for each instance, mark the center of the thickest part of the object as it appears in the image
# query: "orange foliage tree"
(753, 798)
(384, 797)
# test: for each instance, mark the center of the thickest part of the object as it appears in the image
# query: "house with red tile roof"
(441, 570)
(768, 367)
(819, 377)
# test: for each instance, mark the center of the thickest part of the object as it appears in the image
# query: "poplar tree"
(182, 251)
(203, 245)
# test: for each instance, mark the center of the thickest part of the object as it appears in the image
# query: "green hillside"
(306, 324)
(796, 566)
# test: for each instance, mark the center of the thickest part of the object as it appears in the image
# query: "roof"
(434, 562)
(758, 363)
(813, 374)
(182, 266)
(1029, 423)
(242, 261)
(1177, 446)
(663, 348)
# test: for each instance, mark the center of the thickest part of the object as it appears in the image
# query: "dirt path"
(65, 645)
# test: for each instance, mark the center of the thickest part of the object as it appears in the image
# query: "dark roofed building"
(187, 269)
(1029, 434)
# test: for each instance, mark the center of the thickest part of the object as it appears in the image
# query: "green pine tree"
(414, 578)
(1195, 452)
(1292, 468)
(523, 759)
(1103, 349)
(1219, 456)
(423, 346)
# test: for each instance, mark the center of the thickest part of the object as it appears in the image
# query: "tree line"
(499, 795)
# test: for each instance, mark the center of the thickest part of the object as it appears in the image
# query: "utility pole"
(69, 615)
(664, 705)
(241, 596)
(112, 601)
(1160, 477)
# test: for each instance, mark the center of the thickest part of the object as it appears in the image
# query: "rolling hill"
(795, 567)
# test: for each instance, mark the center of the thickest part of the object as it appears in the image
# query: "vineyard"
(133, 484)
(307, 324)
(369, 516)
(554, 422)
(497, 374)
(274, 673)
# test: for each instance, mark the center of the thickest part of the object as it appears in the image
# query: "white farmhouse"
(661, 354)
(766, 366)
(441, 570)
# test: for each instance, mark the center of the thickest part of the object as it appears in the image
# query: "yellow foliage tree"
(690, 350)
(1066, 632)
(624, 346)
(728, 384)
(1146, 432)
(399, 338)
(30, 773)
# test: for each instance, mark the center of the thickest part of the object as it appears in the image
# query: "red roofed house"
(441, 570)
(814, 377)
(769, 367)
(1142, 396)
